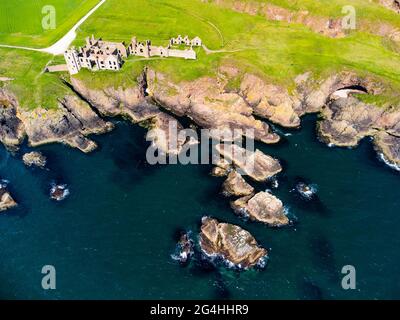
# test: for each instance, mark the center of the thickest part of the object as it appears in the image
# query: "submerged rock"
(263, 207)
(256, 165)
(305, 190)
(59, 192)
(184, 249)
(231, 243)
(34, 159)
(235, 185)
(6, 201)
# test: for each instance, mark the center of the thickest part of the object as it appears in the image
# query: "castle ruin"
(104, 55)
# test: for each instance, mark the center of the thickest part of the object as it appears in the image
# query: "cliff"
(209, 102)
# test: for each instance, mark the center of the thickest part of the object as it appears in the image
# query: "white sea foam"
(308, 194)
(62, 187)
(388, 163)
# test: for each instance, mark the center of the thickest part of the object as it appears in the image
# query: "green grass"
(367, 11)
(21, 20)
(32, 87)
(276, 51)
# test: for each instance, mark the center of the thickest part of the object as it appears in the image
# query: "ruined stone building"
(195, 42)
(96, 55)
(103, 55)
(146, 49)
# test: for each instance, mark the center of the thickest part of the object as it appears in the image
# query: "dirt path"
(209, 51)
(63, 44)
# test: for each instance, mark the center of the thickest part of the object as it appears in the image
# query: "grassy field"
(21, 20)
(32, 87)
(276, 51)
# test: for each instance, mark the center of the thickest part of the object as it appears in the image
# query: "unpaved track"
(63, 44)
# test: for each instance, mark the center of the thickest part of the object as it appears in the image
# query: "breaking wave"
(391, 165)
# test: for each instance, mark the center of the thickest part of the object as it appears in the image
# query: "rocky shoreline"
(156, 102)
(209, 104)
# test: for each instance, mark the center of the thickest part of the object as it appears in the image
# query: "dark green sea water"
(112, 238)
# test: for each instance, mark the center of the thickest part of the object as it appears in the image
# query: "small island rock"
(6, 201)
(235, 185)
(34, 159)
(232, 243)
(256, 165)
(263, 207)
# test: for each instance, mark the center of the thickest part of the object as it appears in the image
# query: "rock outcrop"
(270, 101)
(207, 103)
(393, 5)
(389, 147)
(327, 26)
(256, 165)
(347, 121)
(236, 186)
(6, 201)
(210, 104)
(126, 102)
(12, 130)
(34, 159)
(69, 124)
(221, 169)
(164, 134)
(232, 243)
(263, 207)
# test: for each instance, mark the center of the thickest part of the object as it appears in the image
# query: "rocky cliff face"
(209, 103)
(12, 130)
(347, 121)
(231, 243)
(69, 124)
